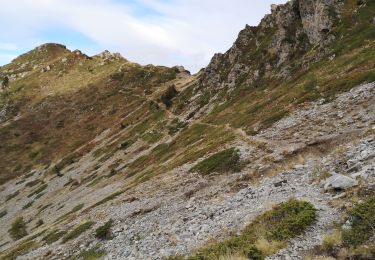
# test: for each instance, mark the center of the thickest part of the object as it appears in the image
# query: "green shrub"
(108, 198)
(18, 229)
(3, 213)
(39, 223)
(227, 160)
(28, 205)
(288, 219)
(363, 223)
(255, 254)
(39, 195)
(92, 254)
(168, 95)
(78, 231)
(276, 226)
(75, 209)
(5, 81)
(38, 190)
(20, 249)
(68, 160)
(11, 196)
(33, 183)
(53, 236)
(104, 232)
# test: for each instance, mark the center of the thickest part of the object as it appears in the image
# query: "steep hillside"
(57, 101)
(268, 152)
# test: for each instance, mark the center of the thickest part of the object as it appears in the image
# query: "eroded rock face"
(266, 50)
(317, 20)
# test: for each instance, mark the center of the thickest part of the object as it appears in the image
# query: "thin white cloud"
(179, 32)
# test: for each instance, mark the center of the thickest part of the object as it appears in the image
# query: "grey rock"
(339, 182)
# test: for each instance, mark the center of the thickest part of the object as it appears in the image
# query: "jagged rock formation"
(267, 50)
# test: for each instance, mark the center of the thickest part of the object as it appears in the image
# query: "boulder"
(339, 182)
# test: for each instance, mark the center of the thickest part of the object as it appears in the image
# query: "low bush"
(91, 254)
(78, 231)
(18, 229)
(108, 198)
(266, 234)
(354, 242)
(227, 160)
(39, 223)
(38, 190)
(33, 183)
(3, 213)
(53, 236)
(75, 209)
(28, 205)
(362, 223)
(168, 95)
(104, 232)
(11, 196)
(254, 253)
(20, 249)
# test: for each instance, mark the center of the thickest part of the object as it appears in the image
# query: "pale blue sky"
(165, 32)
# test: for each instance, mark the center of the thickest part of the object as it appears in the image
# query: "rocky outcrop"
(4, 81)
(339, 182)
(317, 20)
(267, 50)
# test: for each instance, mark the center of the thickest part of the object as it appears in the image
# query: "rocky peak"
(50, 46)
(267, 50)
(107, 55)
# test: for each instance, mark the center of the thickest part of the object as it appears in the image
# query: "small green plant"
(108, 198)
(255, 254)
(33, 183)
(39, 223)
(4, 81)
(18, 229)
(363, 223)
(38, 190)
(11, 196)
(75, 209)
(3, 213)
(227, 160)
(71, 158)
(92, 254)
(168, 95)
(289, 219)
(20, 249)
(53, 236)
(28, 205)
(78, 231)
(104, 232)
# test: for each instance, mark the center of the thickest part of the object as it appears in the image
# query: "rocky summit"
(267, 153)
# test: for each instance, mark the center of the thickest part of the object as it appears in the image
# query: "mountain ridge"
(162, 161)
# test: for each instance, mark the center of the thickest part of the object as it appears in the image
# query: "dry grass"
(269, 247)
(319, 258)
(331, 241)
(233, 257)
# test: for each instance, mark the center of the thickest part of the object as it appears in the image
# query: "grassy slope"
(354, 63)
(70, 109)
(90, 98)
